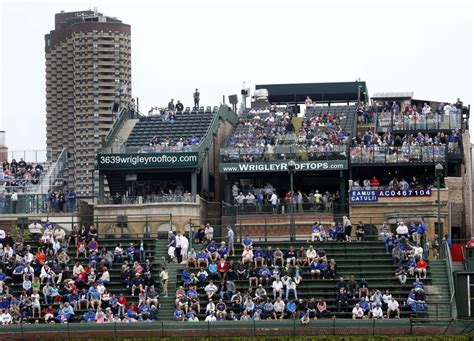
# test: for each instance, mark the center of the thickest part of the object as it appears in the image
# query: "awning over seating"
(318, 92)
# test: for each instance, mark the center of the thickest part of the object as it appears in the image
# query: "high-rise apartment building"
(88, 69)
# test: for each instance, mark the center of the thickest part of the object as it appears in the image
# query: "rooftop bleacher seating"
(187, 125)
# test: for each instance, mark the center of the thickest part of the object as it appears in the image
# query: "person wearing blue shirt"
(247, 241)
(258, 256)
(145, 310)
(212, 250)
(264, 274)
(389, 243)
(89, 316)
(203, 257)
(291, 309)
(185, 277)
(332, 233)
(3, 276)
(364, 305)
(223, 250)
(213, 270)
(178, 315)
(18, 273)
(316, 233)
(340, 233)
(417, 284)
(131, 253)
(420, 231)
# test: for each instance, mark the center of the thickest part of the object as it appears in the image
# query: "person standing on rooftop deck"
(196, 97)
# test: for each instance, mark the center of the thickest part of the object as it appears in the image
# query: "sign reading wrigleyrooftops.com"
(147, 161)
(282, 166)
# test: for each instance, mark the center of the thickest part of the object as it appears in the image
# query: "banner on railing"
(282, 166)
(373, 195)
(147, 161)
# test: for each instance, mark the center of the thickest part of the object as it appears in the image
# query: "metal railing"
(446, 255)
(37, 204)
(54, 173)
(149, 199)
(408, 154)
(419, 122)
(282, 208)
(263, 328)
(124, 114)
(283, 152)
(33, 155)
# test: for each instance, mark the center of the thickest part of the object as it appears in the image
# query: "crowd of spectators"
(392, 147)
(170, 145)
(61, 202)
(258, 132)
(273, 277)
(43, 286)
(394, 183)
(323, 132)
(152, 192)
(248, 198)
(18, 175)
(421, 116)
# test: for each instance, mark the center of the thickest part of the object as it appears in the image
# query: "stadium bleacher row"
(187, 125)
(364, 260)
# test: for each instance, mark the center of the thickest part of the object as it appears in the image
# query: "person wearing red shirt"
(122, 303)
(374, 182)
(49, 314)
(470, 243)
(421, 268)
(41, 256)
(222, 268)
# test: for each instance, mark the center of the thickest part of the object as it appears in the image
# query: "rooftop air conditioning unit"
(260, 94)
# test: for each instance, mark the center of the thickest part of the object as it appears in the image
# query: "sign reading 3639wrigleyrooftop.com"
(282, 166)
(147, 160)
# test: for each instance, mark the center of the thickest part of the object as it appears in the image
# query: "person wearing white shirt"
(357, 312)
(310, 254)
(403, 184)
(386, 297)
(105, 276)
(250, 199)
(393, 308)
(279, 309)
(5, 317)
(240, 198)
(277, 286)
(418, 252)
(426, 109)
(274, 202)
(377, 312)
(3, 235)
(210, 307)
(402, 230)
(210, 289)
(184, 248)
(209, 232)
(210, 318)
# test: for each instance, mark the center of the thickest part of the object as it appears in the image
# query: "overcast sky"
(177, 46)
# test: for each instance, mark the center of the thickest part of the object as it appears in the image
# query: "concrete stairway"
(438, 292)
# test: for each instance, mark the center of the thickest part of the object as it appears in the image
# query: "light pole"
(439, 172)
(292, 170)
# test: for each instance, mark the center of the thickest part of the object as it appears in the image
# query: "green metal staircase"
(438, 291)
(167, 305)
